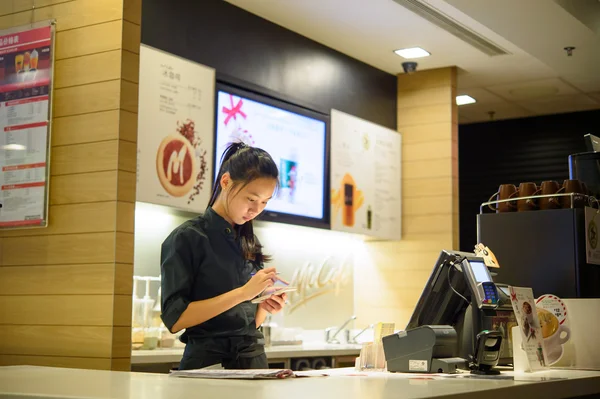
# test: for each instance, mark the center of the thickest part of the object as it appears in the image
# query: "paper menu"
(253, 374)
(523, 303)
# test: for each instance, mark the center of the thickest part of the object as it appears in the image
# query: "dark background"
(515, 151)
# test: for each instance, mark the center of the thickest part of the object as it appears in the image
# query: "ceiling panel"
(560, 104)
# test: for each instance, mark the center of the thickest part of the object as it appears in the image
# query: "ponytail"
(245, 164)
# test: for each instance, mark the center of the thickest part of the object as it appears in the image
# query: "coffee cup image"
(348, 199)
(554, 334)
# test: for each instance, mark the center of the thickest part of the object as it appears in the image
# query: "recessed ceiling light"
(15, 147)
(465, 99)
(413, 52)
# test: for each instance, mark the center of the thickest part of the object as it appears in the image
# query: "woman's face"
(244, 203)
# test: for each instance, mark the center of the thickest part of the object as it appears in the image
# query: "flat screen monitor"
(441, 302)
(297, 139)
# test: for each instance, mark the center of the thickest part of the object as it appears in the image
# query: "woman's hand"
(274, 304)
(259, 282)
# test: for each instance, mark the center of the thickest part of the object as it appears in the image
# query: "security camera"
(409, 67)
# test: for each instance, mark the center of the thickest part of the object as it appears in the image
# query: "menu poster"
(26, 64)
(365, 177)
(175, 131)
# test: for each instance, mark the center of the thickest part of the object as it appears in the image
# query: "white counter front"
(273, 352)
(28, 381)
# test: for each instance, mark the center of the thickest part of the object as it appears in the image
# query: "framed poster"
(175, 131)
(365, 177)
(26, 72)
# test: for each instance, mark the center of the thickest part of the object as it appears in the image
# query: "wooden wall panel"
(75, 219)
(85, 187)
(88, 279)
(87, 40)
(86, 128)
(66, 289)
(390, 287)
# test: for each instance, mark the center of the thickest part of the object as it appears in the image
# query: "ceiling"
(535, 77)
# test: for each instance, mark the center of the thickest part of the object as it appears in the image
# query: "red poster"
(25, 95)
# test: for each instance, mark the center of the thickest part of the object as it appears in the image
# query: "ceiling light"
(465, 99)
(413, 52)
(14, 147)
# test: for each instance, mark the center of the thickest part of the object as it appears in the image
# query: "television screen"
(295, 137)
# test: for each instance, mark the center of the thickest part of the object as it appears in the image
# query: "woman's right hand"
(263, 279)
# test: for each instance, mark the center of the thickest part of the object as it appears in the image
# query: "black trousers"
(230, 352)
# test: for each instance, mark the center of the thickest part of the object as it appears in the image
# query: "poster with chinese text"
(26, 64)
(175, 131)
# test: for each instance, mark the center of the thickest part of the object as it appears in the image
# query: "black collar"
(216, 223)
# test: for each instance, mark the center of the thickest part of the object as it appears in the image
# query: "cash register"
(459, 301)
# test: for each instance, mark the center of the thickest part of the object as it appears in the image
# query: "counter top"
(46, 382)
(273, 352)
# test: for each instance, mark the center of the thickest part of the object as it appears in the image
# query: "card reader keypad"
(490, 295)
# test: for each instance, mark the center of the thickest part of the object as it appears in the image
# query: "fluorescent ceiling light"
(465, 99)
(15, 147)
(413, 52)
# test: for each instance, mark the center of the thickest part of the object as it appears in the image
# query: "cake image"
(176, 165)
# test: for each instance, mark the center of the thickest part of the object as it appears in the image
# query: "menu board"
(175, 131)
(26, 64)
(365, 177)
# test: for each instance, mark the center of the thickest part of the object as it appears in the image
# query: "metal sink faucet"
(330, 339)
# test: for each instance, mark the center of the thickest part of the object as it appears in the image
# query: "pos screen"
(482, 275)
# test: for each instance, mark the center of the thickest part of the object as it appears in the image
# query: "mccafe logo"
(313, 281)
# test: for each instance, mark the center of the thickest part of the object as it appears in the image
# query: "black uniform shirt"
(202, 259)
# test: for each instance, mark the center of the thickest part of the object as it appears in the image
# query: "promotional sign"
(26, 64)
(365, 177)
(175, 131)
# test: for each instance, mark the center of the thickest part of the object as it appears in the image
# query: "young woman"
(207, 264)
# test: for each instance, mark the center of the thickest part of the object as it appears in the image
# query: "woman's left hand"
(274, 304)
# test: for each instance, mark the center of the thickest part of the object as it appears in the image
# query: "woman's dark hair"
(245, 164)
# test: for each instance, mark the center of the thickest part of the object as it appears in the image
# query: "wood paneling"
(14, 6)
(59, 361)
(442, 77)
(76, 218)
(127, 156)
(124, 247)
(89, 279)
(131, 37)
(80, 341)
(426, 187)
(130, 66)
(427, 150)
(125, 217)
(87, 69)
(126, 186)
(129, 96)
(427, 224)
(128, 124)
(441, 167)
(420, 206)
(85, 187)
(88, 98)
(86, 128)
(65, 310)
(69, 15)
(85, 158)
(431, 96)
(66, 289)
(425, 133)
(132, 11)
(425, 114)
(89, 40)
(63, 249)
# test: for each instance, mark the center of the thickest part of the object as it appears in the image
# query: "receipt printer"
(425, 349)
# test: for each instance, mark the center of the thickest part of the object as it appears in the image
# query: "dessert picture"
(180, 162)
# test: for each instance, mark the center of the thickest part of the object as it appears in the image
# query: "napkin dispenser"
(425, 349)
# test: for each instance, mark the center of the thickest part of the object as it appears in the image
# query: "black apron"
(231, 352)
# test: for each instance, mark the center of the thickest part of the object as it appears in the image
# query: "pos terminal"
(459, 295)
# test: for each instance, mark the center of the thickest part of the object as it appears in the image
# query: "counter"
(273, 352)
(22, 381)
